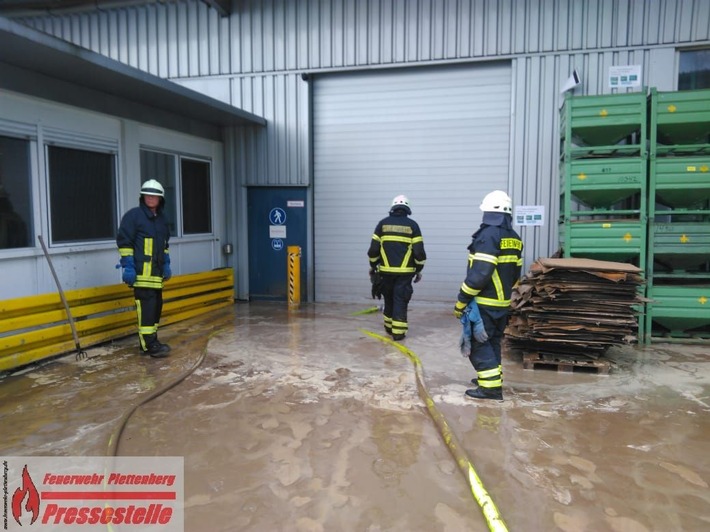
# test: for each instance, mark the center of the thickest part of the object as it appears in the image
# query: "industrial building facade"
(345, 104)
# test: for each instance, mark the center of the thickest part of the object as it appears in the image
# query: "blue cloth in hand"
(167, 272)
(472, 322)
(129, 270)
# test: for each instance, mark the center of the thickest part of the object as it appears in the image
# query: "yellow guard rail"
(37, 327)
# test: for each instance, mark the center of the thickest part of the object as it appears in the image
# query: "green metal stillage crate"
(679, 311)
(599, 123)
(681, 182)
(603, 182)
(680, 120)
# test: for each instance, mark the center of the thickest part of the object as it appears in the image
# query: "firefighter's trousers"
(149, 306)
(486, 356)
(397, 292)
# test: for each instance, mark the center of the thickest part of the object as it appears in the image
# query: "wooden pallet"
(536, 360)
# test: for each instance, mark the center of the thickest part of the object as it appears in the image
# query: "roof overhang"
(38, 64)
(31, 8)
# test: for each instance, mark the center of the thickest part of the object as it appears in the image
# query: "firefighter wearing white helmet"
(143, 242)
(153, 188)
(397, 258)
(494, 266)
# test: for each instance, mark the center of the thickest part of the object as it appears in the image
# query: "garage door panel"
(440, 136)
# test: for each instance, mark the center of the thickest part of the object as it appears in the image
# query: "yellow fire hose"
(370, 310)
(490, 511)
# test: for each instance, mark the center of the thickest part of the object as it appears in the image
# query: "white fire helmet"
(153, 188)
(401, 201)
(497, 201)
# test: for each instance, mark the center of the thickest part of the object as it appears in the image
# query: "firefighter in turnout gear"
(397, 255)
(494, 265)
(143, 245)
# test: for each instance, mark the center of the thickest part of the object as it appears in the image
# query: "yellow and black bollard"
(294, 276)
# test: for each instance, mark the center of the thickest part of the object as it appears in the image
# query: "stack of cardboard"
(575, 308)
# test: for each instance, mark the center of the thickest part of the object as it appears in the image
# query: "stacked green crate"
(603, 178)
(679, 216)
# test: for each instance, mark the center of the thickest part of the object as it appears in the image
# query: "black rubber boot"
(158, 350)
(397, 337)
(474, 382)
(486, 393)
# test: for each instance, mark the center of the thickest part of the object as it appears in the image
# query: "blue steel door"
(277, 219)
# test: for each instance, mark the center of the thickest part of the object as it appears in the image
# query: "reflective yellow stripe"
(490, 384)
(148, 251)
(498, 284)
(485, 257)
(407, 255)
(487, 373)
(487, 301)
(504, 259)
(375, 237)
(125, 252)
(468, 290)
(397, 269)
(399, 327)
(395, 238)
(148, 281)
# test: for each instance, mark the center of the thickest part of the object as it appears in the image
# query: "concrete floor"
(300, 421)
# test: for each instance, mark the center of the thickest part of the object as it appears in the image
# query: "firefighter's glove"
(129, 270)
(417, 277)
(167, 272)
(479, 332)
(472, 315)
(458, 309)
(376, 280)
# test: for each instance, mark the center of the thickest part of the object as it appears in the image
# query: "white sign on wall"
(624, 76)
(529, 215)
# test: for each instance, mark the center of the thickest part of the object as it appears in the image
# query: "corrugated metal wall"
(254, 58)
(187, 39)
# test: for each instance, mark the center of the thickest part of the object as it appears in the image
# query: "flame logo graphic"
(28, 491)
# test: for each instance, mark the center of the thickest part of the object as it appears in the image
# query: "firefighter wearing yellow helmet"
(494, 266)
(397, 257)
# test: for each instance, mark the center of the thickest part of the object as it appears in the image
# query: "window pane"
(15, 197)
(82, 194)
(694, 72)
(161, 167)
(196, 197)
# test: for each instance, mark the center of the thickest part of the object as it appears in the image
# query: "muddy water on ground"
(299, 421)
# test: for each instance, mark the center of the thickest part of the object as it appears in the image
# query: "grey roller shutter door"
(438, 135)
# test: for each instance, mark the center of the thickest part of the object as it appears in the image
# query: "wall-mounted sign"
(295, 203)
(277, 216)
(277, 231)
(277, 244)
(624, 76)
(529, 215)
